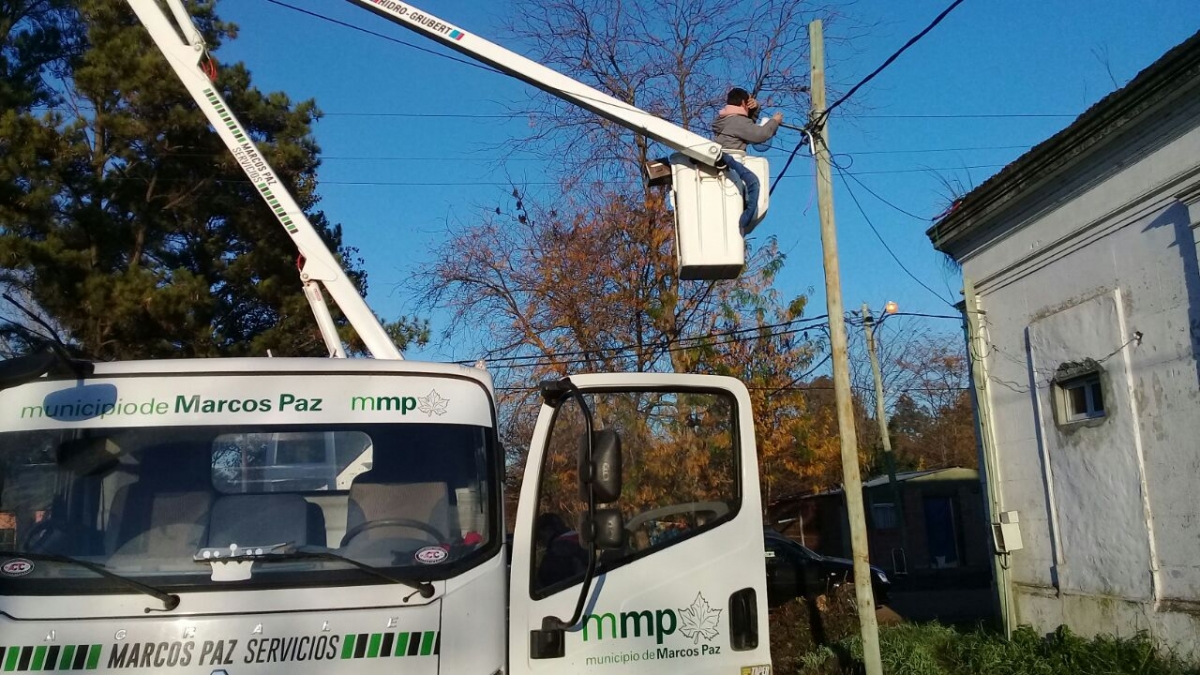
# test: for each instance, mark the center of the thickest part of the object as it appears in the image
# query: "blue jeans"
(749, 186)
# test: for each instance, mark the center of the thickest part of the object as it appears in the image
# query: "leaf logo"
(432, 404)
(699, 621)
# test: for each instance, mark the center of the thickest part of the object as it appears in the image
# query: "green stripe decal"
(402, 644)
(427, 643)
(373, 646)
(68, 655)
(11, 662)
(93, 658)
(39, 658)
(348, 647)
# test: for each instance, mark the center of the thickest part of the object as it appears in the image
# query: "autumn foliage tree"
(585, 280)
(926, 393)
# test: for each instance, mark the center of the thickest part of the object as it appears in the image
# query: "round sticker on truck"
(17, 567)
(431, 555)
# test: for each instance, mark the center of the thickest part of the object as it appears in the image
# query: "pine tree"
(124, 218)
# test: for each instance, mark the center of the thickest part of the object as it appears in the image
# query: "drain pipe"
(988, 460)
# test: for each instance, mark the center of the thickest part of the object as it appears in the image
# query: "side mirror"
(603, 473)
(605, 527)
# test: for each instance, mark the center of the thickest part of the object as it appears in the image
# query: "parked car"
(795, 571)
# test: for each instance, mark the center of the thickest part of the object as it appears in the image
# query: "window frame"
(893, 524)
(602, 566)
(1066, 387)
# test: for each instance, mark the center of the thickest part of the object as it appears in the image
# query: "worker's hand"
(778, 117)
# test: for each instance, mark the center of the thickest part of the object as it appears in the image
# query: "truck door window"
(680, 478)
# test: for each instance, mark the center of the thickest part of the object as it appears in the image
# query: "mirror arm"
(554, 623)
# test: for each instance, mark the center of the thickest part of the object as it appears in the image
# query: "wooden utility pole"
(889, 458)
(851, 478)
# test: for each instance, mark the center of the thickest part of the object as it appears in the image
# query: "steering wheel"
(394, 522)
(39, 535)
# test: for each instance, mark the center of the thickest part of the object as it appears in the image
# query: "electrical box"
(707, 207)
(1007, 533)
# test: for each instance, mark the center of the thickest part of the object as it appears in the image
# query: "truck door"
(679, 582)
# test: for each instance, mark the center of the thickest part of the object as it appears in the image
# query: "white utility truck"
(265, 515)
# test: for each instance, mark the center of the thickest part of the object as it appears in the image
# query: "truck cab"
(250, 515)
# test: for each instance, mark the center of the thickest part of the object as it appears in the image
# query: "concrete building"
(1083, 258)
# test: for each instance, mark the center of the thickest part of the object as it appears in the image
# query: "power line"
(819, 123)
(796, 387)
(563, 94)
(876, 196)
(790, 328)
(379, 183)
(702, 340)
(466, 116)
(381, 35)
(969, 116)
(912, 41)
(956, 317)
(885, 244)
(527, 113)
(508, 158)
(918, 151)
(555, 358)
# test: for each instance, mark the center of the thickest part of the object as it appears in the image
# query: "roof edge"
(1155, 84)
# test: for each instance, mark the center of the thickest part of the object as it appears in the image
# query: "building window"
(883, 514)
(1079, 393)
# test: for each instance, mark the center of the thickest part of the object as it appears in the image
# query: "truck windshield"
(413, 499)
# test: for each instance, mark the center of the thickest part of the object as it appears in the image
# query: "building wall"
(1109, 515)
(971, 531)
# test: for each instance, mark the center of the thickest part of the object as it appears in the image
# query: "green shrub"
(931, 649)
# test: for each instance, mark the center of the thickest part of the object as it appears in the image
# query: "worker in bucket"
(734, 128)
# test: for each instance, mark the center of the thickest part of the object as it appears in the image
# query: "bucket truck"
(263, 515)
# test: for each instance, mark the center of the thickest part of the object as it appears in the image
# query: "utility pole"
(889, 458)
(851, 478)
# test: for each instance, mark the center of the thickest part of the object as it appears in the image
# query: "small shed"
(941, 515)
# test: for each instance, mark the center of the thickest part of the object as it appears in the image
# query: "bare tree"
(925, 383)
(587, 281)
(676, 59)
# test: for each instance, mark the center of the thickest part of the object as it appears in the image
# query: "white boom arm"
(318, 263)
(695, 146)
(709, 241)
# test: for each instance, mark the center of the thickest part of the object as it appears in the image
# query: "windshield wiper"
(285, 552)
(169, 600)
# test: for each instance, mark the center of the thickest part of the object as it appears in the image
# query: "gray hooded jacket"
(734, 130)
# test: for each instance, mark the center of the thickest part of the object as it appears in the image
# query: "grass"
(933, 649)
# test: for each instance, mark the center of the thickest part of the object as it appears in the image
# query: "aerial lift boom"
(707, 205)
(184, 48)
(693, 145)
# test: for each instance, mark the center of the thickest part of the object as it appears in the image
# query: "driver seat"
(374, 496)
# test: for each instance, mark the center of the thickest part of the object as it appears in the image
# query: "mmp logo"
(699, 620)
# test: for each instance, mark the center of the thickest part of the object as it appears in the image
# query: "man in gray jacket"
(734, 128)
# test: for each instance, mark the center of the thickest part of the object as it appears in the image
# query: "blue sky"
(992, 80)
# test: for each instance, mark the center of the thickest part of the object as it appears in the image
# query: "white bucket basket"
(707, 207)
